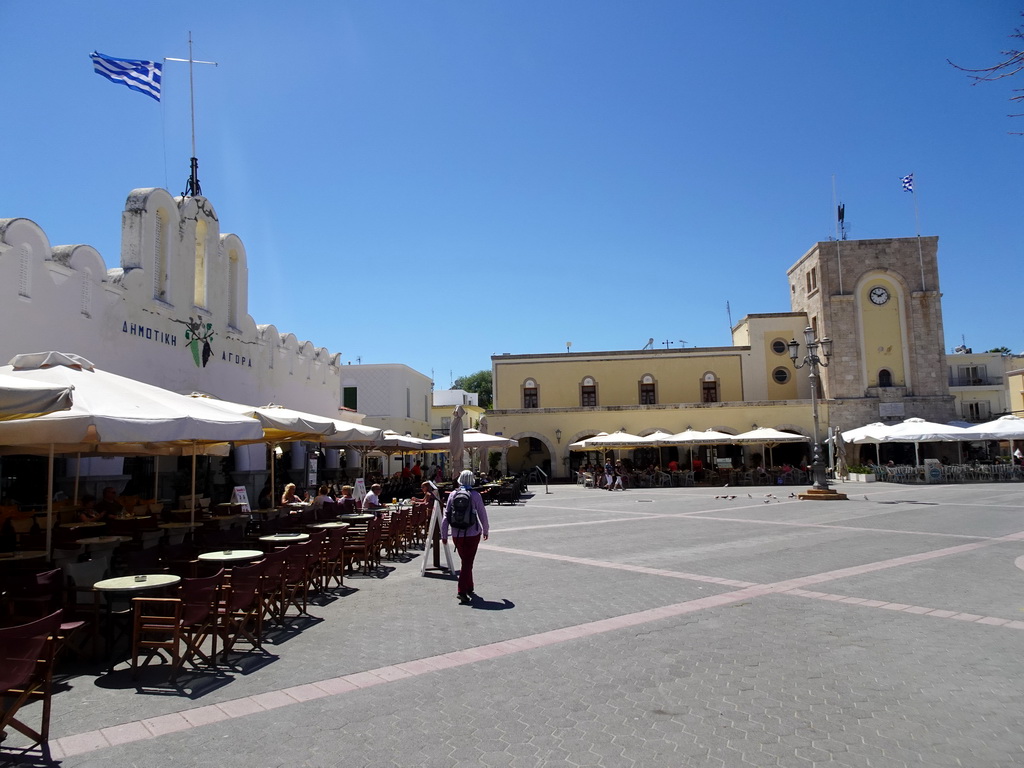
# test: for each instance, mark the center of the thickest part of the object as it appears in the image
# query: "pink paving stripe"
(855, 528)
(933, 613)
(620, 566)
(91, 741)
(635, 516)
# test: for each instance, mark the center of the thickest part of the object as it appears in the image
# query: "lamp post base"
(821, 494)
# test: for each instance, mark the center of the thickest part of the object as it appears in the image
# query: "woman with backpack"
(466, 517)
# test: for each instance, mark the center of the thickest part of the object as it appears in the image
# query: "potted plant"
(861, 474)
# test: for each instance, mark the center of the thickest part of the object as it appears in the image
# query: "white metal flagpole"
(193, 188)
(908, 185)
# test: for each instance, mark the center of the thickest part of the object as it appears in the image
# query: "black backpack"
(461, 515)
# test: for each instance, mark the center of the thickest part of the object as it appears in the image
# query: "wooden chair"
(327, 512)
(392, 531)
(241, 612)
(37, 595)
(179, 625)
(26, 669)
(299, 571)
(272, 587)
(363, 545)
(332, 561)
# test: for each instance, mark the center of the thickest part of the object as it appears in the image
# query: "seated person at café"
(321, 496)
(89, 513)
(426, 498)
(346, 504)
(290, 496)
(371, 501)
(109, 505)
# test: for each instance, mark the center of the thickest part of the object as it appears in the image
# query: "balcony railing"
(975, 381)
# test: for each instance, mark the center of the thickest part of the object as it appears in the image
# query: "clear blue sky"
(433, 182)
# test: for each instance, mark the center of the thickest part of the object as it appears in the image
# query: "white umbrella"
(1004, 428)
(869, 433)
(693, 437)
(280, 425)
(919, 431)
(23, 399)
(767, 437)
(349, 433)
(579, 445)
(108, 408)
(471, 439)
(614, 440)
(706, 437)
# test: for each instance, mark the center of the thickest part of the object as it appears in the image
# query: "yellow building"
(877, 299)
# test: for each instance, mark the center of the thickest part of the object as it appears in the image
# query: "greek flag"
(141, 76)
(908, 182)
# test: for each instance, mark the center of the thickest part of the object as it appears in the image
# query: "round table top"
(173, 526)
(356, 517)
(28, 554)
(136, 583)
(81, 525)
(329, 525)
(292, 537)
(103, 540)
(230, 555)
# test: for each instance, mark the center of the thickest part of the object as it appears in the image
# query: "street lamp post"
(813, 361)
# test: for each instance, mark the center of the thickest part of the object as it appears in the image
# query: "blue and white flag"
(908, 182)
(141, 76)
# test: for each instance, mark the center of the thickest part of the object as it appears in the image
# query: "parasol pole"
(156, 477)
(192, 504)
(273, 479)
(49, 503)
(78, 474)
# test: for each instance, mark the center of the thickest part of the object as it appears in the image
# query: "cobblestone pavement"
(656, 627)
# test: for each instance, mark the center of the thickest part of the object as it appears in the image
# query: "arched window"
(709, 388)
(588, 393)
(233, 288)
(530, 398)
(161, 235)
(25, 271)
(648, 395)
(885, 378)
(200, 276)
(85, 299)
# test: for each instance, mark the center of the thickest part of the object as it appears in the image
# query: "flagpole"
(917, 225)
(192, 188)
(839, 256)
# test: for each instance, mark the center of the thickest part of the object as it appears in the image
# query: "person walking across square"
(467, 539)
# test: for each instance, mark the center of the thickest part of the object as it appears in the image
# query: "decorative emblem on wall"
(197, 338)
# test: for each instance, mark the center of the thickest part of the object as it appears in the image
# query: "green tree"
(1001, 350)
(479, 382)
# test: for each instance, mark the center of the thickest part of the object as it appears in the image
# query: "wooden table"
(286, 538)
(104, 540)
(138, 583)
(28, 554)
(119, 591)
(362, 517)
(229, 557)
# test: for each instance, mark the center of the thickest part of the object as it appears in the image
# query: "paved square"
(654, 627)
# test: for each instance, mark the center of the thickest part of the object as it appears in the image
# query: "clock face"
(879, 295)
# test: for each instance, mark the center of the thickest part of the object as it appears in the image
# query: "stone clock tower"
(880, 303)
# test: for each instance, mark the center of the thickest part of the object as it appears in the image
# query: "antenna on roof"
(649, 344)
(728, 311)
